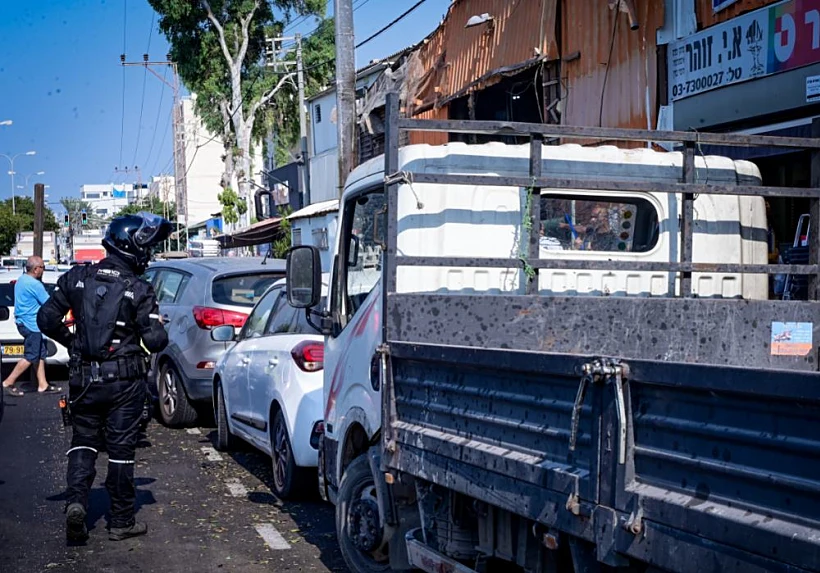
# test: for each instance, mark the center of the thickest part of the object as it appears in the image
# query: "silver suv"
(195, 295)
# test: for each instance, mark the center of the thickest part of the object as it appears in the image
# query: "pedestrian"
(116, 313)
(29, 296)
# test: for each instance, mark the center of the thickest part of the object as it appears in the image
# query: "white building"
(322, 135)
(106, 200)
(162, 188)
(203, 151)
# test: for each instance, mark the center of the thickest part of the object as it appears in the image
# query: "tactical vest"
(104, 305)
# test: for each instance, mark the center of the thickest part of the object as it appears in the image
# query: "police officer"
(114, 312)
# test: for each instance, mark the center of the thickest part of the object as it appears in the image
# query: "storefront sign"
(812, 89)
(774, 39)
(718, 5)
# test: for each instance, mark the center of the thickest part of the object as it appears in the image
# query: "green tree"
(75, 207)
(151, 205)
(23, 220)
(282, 116)
(232, 206)
(219, 47)
(281, 245)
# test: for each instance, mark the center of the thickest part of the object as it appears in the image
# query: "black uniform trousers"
(108, 414)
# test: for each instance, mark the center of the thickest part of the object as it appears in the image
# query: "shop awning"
(257, 234)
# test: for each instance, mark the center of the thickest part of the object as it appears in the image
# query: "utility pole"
(180, 165)
(345, 89)
(39, 198)
(282, 65)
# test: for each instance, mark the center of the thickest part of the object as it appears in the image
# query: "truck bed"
(721, 459)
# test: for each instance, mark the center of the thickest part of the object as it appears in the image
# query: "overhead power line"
(124, 44)
(142, 99)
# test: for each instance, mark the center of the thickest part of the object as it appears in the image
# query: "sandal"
(50, 390)
(13, 391)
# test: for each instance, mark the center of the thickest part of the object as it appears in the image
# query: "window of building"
(320, 239)
(317, 110)
(297, 237)
(583, 223)
(92, 196)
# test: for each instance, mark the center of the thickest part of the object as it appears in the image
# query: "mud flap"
(422, 557)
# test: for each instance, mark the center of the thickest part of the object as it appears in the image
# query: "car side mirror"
(224, 333)
(304, 276)
(4, 313)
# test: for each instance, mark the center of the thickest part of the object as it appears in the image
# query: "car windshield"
(243, 289)
(7, 293)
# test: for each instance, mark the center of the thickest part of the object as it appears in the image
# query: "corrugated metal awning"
(257, 234)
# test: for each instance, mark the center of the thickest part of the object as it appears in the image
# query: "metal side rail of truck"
(564, 358)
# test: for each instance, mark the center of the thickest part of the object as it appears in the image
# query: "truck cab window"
(364, 233)
(628, 225)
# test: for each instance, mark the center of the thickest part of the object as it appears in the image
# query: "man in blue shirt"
(29, 296)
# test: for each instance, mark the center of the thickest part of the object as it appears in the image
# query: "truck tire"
(357, 520)
(225, 440)
(174, 408)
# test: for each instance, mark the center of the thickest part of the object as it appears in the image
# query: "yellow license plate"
(14, 350)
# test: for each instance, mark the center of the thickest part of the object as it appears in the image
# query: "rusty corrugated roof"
(630, 97)
(457, 60)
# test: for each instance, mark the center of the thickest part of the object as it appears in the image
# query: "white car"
(268, 389)
(10, 339)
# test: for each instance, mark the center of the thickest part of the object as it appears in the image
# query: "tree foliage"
(154, 205)
(318, 52)
(219, 47)
(12, 223)
(232, 206)
(281, 246)
(75, 207)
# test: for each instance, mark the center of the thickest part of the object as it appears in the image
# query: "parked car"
(4, 317)
(196, 295)
(268, 389)
(10, 339)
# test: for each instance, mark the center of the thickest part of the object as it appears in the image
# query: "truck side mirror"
(304, 276)
(263, 205)
(353, 253)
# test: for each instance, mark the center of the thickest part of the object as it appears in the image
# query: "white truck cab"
(575, 225)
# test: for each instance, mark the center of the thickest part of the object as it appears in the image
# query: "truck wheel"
(225, 440)
(358, 526)
(174, 408)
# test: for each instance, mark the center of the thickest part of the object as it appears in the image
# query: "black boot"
(75, 527)
(121, 533)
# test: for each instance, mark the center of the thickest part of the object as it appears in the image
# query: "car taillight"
(309, 356)
(208, 318)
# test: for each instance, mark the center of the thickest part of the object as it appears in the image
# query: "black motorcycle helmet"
(132, 237)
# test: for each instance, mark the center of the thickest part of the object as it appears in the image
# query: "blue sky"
(61, 84)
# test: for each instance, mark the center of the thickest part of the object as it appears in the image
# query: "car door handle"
(273, 362)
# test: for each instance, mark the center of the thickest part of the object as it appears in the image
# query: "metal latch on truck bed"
(602, 372)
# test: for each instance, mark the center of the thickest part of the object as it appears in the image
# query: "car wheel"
(225, 441)
(358, 526)
(174, 408)
(289, 480)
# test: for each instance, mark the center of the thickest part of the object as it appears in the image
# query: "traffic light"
(66, 220)
(84, 218)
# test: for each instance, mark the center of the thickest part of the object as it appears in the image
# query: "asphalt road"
(206, 511)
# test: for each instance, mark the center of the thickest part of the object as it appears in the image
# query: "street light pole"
(25, 187)
(11, 172)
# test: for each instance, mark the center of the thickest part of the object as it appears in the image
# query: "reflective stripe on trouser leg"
(121, 461)
(75, 448)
